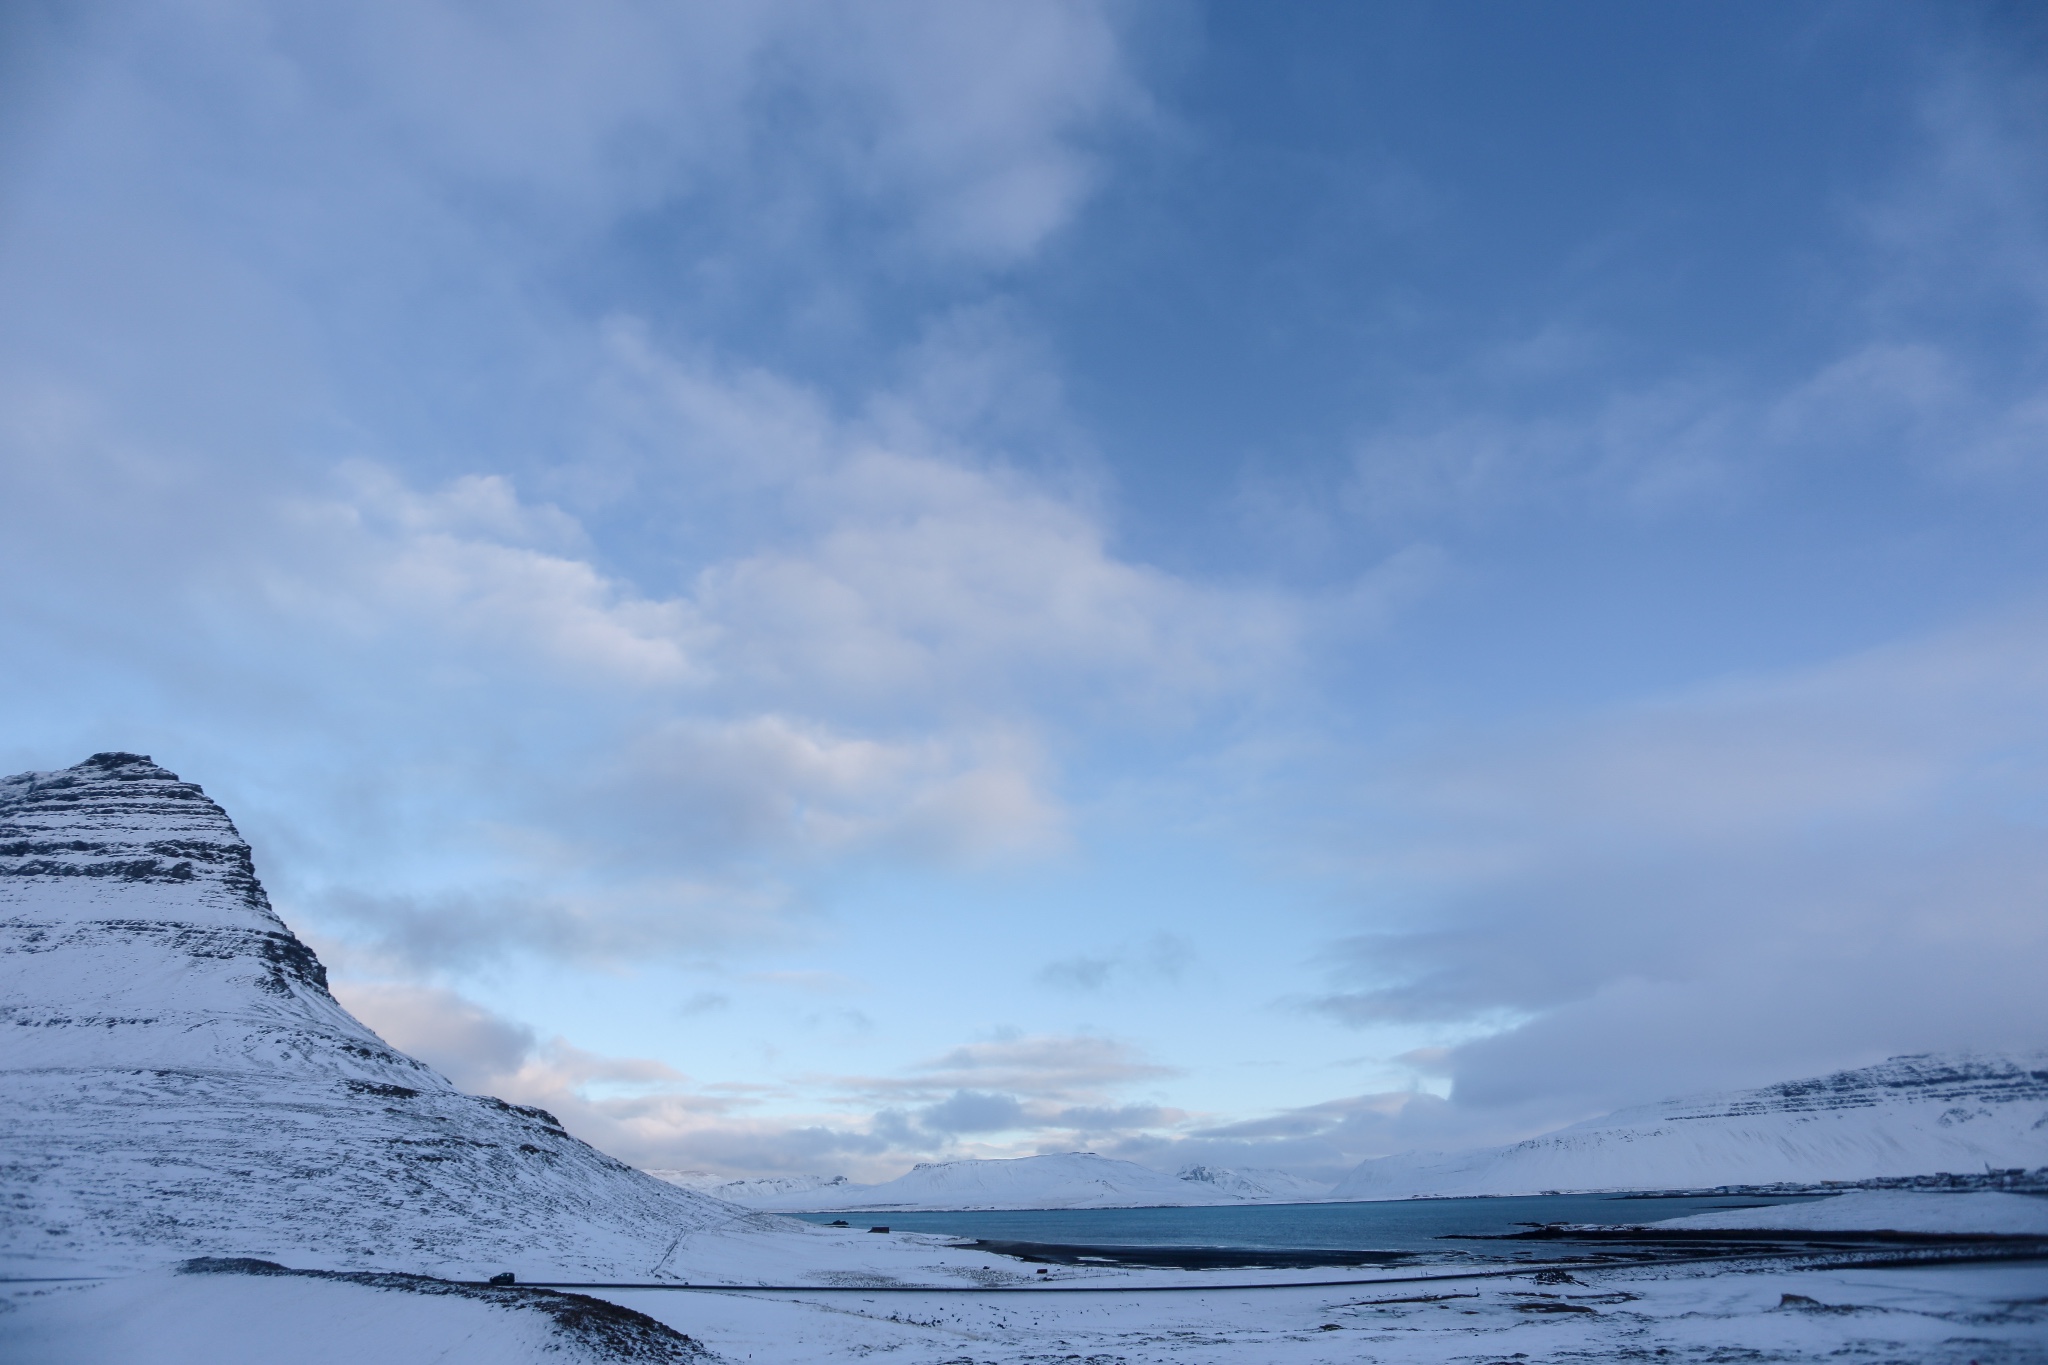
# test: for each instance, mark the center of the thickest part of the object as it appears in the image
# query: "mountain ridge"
(1919, 1114)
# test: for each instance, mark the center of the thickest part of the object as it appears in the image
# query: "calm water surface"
(1415, 1225)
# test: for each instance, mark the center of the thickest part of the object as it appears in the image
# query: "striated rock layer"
(1962, 1114)
(175, 1080)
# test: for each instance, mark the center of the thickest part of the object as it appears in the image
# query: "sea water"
(1410, 1225)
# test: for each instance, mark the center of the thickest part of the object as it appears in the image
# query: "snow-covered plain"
(1906, 1117)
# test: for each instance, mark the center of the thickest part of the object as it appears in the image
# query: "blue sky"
(822, 586)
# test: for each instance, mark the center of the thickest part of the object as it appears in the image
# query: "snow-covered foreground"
(1910, 1116)
(1993, 1315)
(1959, 1314)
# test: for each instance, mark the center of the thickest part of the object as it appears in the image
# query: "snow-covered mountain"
(1909, 1116)
(176, 1081)
(751, 1191)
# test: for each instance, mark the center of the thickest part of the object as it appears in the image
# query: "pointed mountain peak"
(117, 834)
(176, 1080)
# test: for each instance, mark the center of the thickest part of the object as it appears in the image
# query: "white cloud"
(458, 565)
(638, 1109)
(887, 663)
(892, 675)
(306, 346)
(457, 1037)
(906, 566)
(962, 126)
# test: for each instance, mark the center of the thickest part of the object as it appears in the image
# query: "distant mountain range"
(1918, 1116)
(1066, 1180)
(1911, 1116)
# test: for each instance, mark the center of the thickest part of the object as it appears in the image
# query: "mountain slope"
(1256, 1184)
(752, 1193)
(1909, 1116)
(176, 1081)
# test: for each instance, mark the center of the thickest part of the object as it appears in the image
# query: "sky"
(822, 586)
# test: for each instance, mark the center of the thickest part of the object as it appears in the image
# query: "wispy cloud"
(1163, 957)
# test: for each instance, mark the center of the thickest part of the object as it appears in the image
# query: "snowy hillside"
(1909, 1116)
(176, 1081)
(1256, 1184)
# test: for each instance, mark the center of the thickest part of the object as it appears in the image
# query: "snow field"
(166, 1318)
(1994, 1315)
